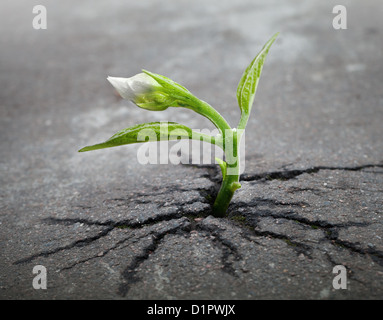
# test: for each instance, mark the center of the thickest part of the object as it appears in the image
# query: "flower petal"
(122, 87)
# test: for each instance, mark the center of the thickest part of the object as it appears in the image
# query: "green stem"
(243, 121)
(207, 138)
(213, 115)
(229, 185)
(230, 182)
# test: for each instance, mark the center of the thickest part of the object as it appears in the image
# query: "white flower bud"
(135, 87)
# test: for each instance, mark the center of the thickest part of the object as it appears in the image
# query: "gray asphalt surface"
(107, 227)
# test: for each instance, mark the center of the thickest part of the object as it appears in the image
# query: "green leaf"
(248, 84)
(168, 84)
(153, 131)
(184, 98)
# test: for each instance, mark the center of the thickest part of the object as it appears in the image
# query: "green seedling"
(156, 93)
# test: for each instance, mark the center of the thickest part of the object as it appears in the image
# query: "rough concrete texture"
(106, 227)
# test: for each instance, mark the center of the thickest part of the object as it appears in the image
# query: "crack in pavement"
(375, 255)
(227, 247)
(230, 252)
(103, 253)
(77, 243)
(291, 174)
(331, 230)
(289, 215)
(109, 226)
(129, 275)
(297, 246)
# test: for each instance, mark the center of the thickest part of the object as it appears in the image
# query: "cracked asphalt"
(106, 227)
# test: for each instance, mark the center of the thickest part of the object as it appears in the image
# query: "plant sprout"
(154, 92)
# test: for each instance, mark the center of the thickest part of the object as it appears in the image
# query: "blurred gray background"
(319, 103)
